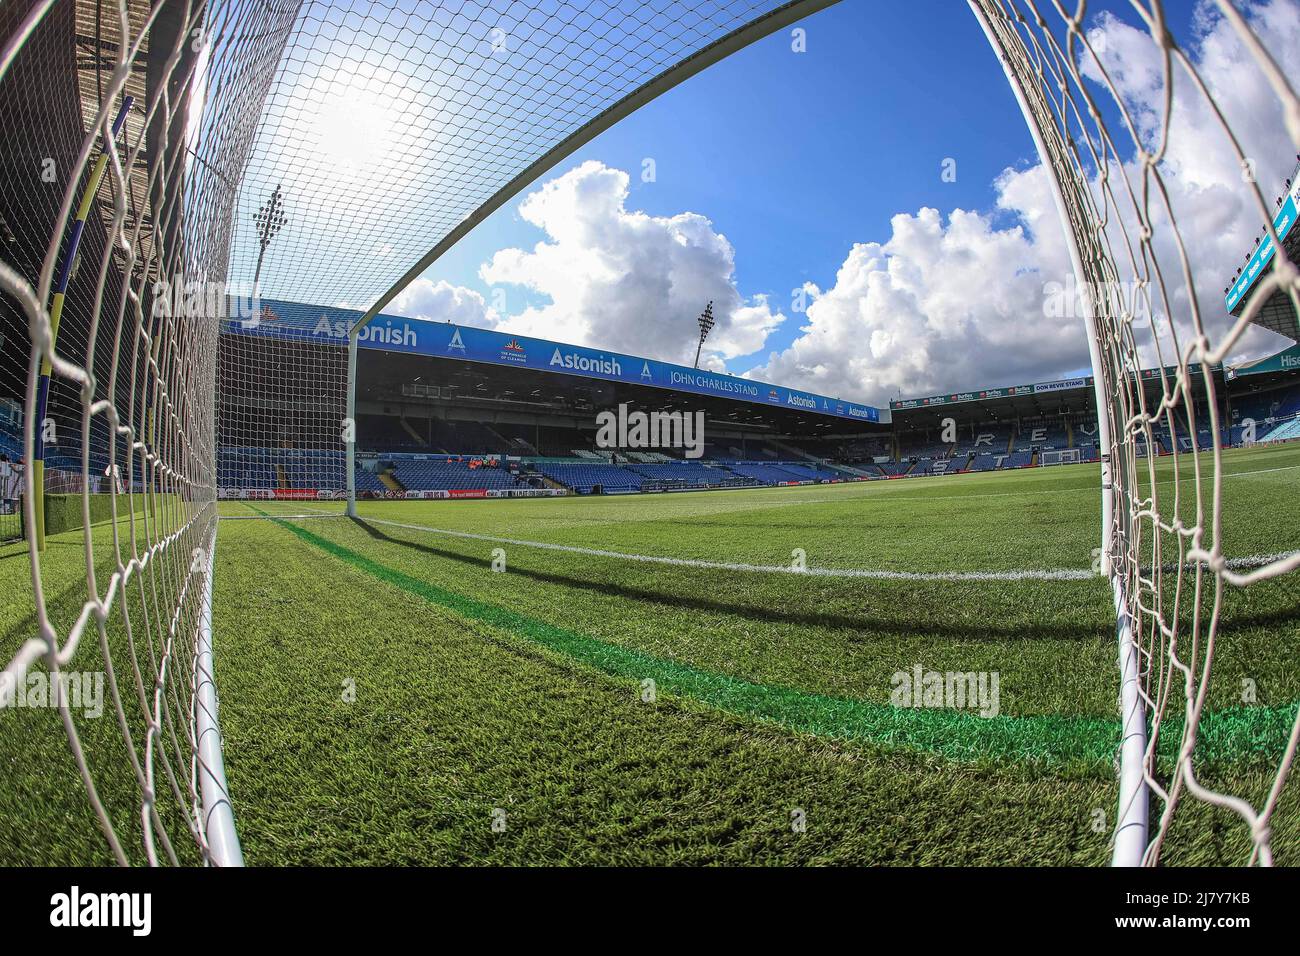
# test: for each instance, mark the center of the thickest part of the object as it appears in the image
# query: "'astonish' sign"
(292, 320)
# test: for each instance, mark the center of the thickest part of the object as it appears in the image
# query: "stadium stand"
(583, 478)
(920, 445)
(266, 469)
(1266, 409)
(546, 447)
(375, 432)
(688, 474)
(1042, 433)
(809, 472)
(557, 442)
(763, 472)
(1284, 432)
(985, 461)
(249, 468)
(895, 469)
(427, 475)
(369, 481)
(1261, 406)
(992, 438)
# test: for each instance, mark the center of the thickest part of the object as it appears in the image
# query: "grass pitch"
(388, 697)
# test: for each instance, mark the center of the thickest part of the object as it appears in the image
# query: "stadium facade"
(451, 411)
(1277, 312)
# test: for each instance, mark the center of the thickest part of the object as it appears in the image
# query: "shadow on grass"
(985, 631)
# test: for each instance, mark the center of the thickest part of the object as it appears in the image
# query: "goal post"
(162, 405)
(350, 424)
(1105, 181)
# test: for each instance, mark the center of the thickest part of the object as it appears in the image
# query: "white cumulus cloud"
(624, 280)
(443, 302)
(954, 302)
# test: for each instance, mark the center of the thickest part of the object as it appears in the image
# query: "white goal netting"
(1118, 186)
(171, 174)
(118, 169)
(174, 174)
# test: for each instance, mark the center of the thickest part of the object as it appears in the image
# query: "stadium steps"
(280, 480)
(555, 483)
(410, 430)
(1285, 431)
(798, 453)
(822, 463)
(390, 481)
(506, 443)
(850, 470)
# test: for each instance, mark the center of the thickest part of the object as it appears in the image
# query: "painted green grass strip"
(1050, 739)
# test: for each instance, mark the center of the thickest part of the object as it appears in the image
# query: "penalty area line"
(1057, 574)
(1244, 562)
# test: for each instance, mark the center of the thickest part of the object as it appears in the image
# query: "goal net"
(1061, 456)
(175, 173)
(1109, 163)
(280, 407)
(127, 126)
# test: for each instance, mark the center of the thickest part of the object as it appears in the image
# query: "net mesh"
(1165, 541)
(382, 128)
(391, 121)
(379, 127)
(112, 666)
(281, 409)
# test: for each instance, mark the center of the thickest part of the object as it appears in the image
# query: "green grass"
(45, 817)
(522, 691)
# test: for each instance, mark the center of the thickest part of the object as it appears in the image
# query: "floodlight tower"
(270, 219)
(706, 321)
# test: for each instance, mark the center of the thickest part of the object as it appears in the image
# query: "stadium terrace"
(445, 411)
(280, 320)
(461, 610)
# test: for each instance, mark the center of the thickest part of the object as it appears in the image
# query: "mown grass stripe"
(1227, 735)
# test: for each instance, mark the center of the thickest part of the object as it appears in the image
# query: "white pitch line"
(884, 498)
(1245, 562)
(1259, 560)
(1059, 574)
(1055, 574)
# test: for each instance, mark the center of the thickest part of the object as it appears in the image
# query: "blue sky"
(778, 169)
(796, 156)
